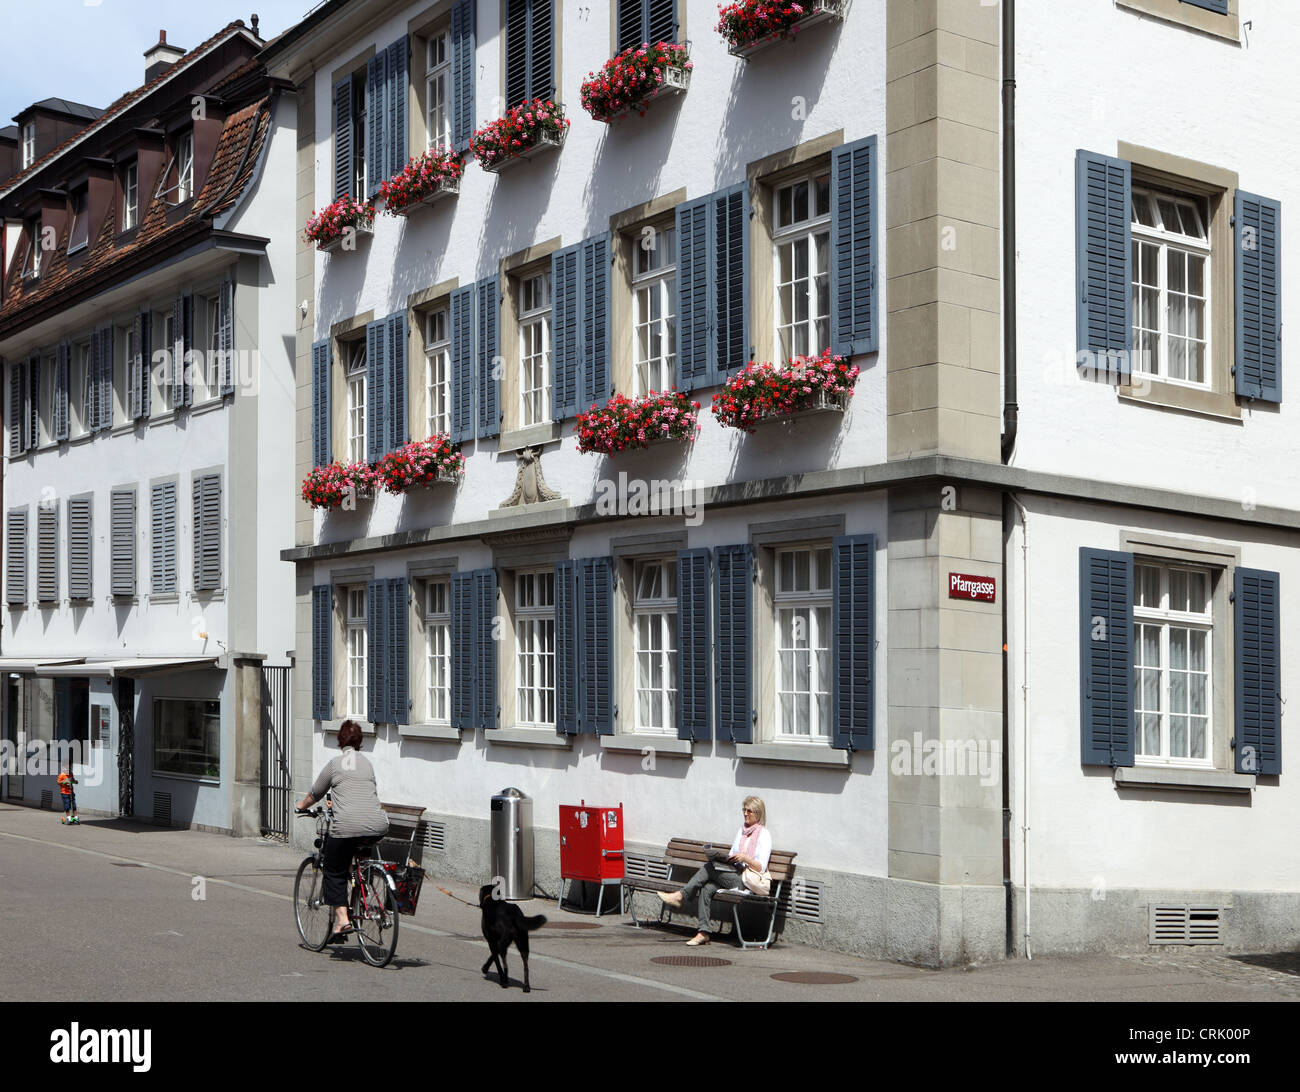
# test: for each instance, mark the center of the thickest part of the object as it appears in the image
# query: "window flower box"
(329, 486)
(624, 423)
(634, 79)
(749, 26)
(421, 463)
(760, 392)
(526, 130)
(328, 228)
(425, 180)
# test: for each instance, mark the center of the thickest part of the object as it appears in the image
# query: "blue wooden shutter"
(16, 557)
(567, 693)
(853, 670)
(225, 339)
(134, 367)
(376, 118)
(183, 330)
(694, 698)
(1258, 227)
(176, 363)
(694, 349)
(395, 349)
(596, 655)
(461, 318)
(399, 651)
(320, 402)
(322, 689)
(1103, 251)
(205, 532)
(485, 648)
(541, 49)
(1219, 7)
(631, 24)
(34, 402)
(80, 546)
(594, 385)
(163, 544)
(47, 554)
(398, 82)
(377, 431)
(730, 268)
(516, 31)
(734, 588)
(1258, 673)
(146, 364)
(122, 564)
(376, 632)
(463, 628)
(343, 138)
(1106, 657)
(660, 21)
(62, 373)
(105, 418)
(488, 301)
(462, 73)
(17, 411)
(854, 325)
(566, 331)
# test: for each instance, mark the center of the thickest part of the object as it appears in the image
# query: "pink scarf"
(749, 839)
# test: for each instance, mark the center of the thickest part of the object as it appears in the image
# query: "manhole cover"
(814, 978)
(571, 925)
(690, 961)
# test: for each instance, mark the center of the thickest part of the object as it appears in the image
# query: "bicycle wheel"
(314, 918)
(374, 917)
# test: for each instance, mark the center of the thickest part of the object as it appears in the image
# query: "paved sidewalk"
(109, 912)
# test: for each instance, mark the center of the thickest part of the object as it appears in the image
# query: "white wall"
(1104, 75)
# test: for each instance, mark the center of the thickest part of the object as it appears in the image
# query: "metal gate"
(125, 700)
(277, 784)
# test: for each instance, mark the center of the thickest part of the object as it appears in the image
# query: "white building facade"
(841, 611)
(143, 511)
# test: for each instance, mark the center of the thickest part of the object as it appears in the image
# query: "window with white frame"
(654, 618)
(535, 349)
(122, 373)
(79, 232)
(32, 263)
(79, 366)
(437, 89)
(356, 379)
(437, 652)
(185, 167)
(29, 144)
(130, 196)
(654, 283)
(1173, 632)
(437, 372)
(802, 238)
(535, 648)
(355, 644)
(803, 644)
(160, 372)
(1171, 288)
(206, 382)
(45, 410)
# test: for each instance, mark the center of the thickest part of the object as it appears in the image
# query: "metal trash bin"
(512, 844)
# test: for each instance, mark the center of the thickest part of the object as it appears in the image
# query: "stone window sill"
(794, 754)
(1169, 777)
(533, 436)
(528, 737)
(430, 731)
(668, 746)
(1173, 396)
(1189, 15)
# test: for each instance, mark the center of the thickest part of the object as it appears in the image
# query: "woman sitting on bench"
(752, 848)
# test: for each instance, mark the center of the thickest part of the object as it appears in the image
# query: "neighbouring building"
(997, 632)
(144, 326)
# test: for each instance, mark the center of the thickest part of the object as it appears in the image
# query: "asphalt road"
(112, 910)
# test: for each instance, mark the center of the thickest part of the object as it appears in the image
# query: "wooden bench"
(683, 858)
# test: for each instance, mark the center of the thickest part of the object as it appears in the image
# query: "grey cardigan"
(350, 780)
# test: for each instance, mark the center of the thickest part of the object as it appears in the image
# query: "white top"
(764, 852)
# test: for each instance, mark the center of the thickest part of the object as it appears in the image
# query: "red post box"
(591, 848)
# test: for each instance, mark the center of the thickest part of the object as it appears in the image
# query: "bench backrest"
(688, 853)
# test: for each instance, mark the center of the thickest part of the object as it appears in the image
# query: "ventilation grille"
(1186, 924)
(162, 808)
(434, 836)
(47, 799)
(804, 900)
(637, 866)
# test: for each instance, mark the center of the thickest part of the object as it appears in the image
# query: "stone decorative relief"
(530, 485)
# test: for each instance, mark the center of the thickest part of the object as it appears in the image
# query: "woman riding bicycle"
(358, 819)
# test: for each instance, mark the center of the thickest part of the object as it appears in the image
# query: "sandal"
(340, 936)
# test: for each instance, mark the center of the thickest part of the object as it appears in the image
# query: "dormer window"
(29, 144)
(182, 161)
(79, 232)
(130, 196)
(32, 265)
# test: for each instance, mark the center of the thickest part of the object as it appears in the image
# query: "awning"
(130, 667)
(25, 665)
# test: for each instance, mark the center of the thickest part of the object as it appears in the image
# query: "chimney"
(160, 57)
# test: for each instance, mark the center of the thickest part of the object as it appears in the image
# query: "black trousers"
(336, 860)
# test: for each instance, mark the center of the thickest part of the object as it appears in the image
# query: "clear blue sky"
(92, 51)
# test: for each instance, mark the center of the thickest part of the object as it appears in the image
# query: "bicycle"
(372, 899)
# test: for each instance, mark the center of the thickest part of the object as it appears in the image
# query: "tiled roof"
(122, 103)
(67, 106)
(154, 233)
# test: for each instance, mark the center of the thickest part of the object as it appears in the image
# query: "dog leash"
(449, 895)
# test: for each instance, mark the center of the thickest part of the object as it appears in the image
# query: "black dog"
(504, 922)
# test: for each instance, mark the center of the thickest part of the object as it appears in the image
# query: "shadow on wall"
(629, 162)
